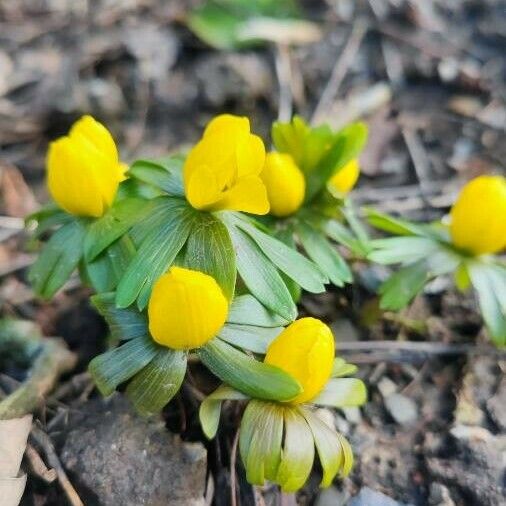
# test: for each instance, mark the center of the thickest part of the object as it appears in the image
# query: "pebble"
(402, 409)
(369, 497)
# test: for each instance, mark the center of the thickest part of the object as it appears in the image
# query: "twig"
(419, 157)
(284, 75)
(233, 473)
(340, 70)
(44, 441)
(37, 465)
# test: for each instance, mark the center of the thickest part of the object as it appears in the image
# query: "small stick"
(284, 75)
(46, 444)
(233, 474)
(37, 465)
(339, 71)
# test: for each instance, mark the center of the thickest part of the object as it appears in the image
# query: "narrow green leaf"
(255, 410)
(58, 259)
(246, 310)
(298, 452)
(342, 393)
(155, 256)
(114, 367)
(264, 453)
(209, 249)
(342, 235)
(210, 409)
(402, 249)
(286, 259)
(247, 337)
(347, 456)
(113, 224)
(324, 255)
(261, 277)
(490, 289)
(46, 218)
(328, 446)
(398, 290)
(244, 373)
(391, 224)
(154, 386)
(123, 324)
(165, 175)
(342, 368)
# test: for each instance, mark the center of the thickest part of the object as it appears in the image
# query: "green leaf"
(265, 448)
(123, 323)
(286, 259)
(346, 145)
(46, 218)
(261, 277)
(342, 368)
(153, 387)
(155, 256)
(402, 249)
(247, 337)
(324, 255)
(165, 175)
(342, 393)
(114, 367)
(244, 373)
(398, 291)
(342, 235)
(298, 451)
(396, 226)
(210, 409)
(328, 446)
(490, 285)
(246, 310)
(209, 249)
(113, 224)
(58, 259)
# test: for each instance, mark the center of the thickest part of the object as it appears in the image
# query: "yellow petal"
(187, 308)
(83, 169)
(228, 124)
(344, 181)
(248, 195)
(305, 350)
(285, 184)
(250, 156)
(202, 188)
(71, 182)
(478, 217)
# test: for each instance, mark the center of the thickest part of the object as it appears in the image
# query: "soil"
(428, 77)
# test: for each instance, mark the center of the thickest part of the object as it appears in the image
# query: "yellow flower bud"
(478, 217)
(186, 309)
(285, 184)
(83, 169)
(344, 181)
(223, 170)
(305, 350)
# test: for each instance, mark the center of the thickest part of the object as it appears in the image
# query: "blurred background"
(428, 76)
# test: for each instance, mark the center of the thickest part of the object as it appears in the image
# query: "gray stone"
(369, 497)
(402, 409)
(331, 497)
(116, 457)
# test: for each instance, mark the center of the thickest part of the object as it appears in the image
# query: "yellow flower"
(346, 178)
(305, 350)
(478, 217)
(186, 309)
(285, 184)
(223, 170)
(83, 169)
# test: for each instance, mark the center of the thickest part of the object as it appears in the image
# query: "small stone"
(369, 497)
(402, 409)
(116, 457)
(440, 495)
(386, 386)
(331, 497)
(353, 415)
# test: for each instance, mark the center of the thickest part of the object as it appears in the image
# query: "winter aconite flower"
(84, 170)
(186, 309)
(345, 179)
(285, 184)
(478, 217)
(305, 350)
(223, 170)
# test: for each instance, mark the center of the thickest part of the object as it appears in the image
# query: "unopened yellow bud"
(285, 184)
(223, 170)
(186, 309)
(344, 181)
(305, 350)
(478, 217)
(83, 169)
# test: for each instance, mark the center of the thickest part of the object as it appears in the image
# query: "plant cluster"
(203, 256)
